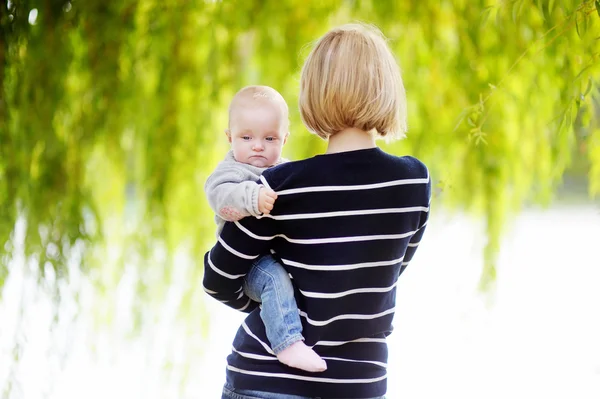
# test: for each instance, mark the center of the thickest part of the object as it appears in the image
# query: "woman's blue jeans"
(231, 393)
(269, 283)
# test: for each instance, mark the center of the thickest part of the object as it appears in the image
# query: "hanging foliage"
(112, 115)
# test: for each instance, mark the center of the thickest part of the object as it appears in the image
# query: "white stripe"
(253, 356)
(265, 182)
(359, 212)
(211, 292)
(380, 364)
(233, 251)
(353, 187)
(404, 263)
(334, 240)
(349, 292)
(250, 333)
(245, 306)
(314, 379)
(413, 244)
(360, 340)
(241, 294)
(221, 272)
(346, 317)
(351, 266)
(330, 240)
(251, 234)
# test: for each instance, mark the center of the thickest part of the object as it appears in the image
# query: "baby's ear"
(228, 133)
(286, 137)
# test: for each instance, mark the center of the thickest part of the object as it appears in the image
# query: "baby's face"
(257, 135)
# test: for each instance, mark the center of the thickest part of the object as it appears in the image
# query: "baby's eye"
(270, 139)
(246, 138)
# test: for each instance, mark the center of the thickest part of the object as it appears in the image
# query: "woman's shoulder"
(353, 167)
(410, 165)
(281, 173)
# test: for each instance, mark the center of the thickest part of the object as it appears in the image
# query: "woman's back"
(345, 225)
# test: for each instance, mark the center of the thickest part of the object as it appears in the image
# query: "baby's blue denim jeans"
(269, 283)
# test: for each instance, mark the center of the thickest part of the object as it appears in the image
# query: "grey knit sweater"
(232, 190)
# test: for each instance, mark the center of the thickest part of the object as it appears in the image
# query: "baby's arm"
(233, 198)
(230, 196)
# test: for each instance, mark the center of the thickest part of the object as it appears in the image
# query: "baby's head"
(258, 125)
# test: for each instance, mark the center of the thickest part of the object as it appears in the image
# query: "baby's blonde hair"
(252, 95)
(351, 79)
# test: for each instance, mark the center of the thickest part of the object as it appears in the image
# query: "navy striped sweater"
(345, 226)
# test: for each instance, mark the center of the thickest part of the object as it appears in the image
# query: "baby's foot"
(300, 356)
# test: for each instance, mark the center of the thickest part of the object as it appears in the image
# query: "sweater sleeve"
(231, 196)
(239, 245)
(415, 239)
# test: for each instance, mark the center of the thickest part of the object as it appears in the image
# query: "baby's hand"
(266, 200)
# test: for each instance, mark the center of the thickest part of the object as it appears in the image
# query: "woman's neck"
(350, 139)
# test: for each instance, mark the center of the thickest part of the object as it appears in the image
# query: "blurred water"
(536, 336)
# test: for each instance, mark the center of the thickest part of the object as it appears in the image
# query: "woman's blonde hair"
(351, 79)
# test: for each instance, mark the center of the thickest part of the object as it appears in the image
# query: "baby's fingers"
(271, 194)
(266, 209)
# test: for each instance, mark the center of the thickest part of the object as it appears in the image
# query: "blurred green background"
(112, 116)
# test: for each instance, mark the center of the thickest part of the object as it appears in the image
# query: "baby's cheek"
(230, 213)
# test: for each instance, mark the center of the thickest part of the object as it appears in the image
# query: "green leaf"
(480, 138)
(485, 15)
(597, 4)
(589, 87)
(515, 10)
(540, 6)
(580, 74)
(569, 118)
(550, 7)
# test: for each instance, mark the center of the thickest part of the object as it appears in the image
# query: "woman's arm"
(418, 235)
(239, 245)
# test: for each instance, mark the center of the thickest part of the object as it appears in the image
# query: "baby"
(258, 129)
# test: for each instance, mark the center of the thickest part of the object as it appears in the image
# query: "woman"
(345, 225)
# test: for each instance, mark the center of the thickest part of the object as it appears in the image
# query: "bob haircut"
(351, 79)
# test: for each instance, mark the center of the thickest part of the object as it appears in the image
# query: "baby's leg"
(268, 283)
